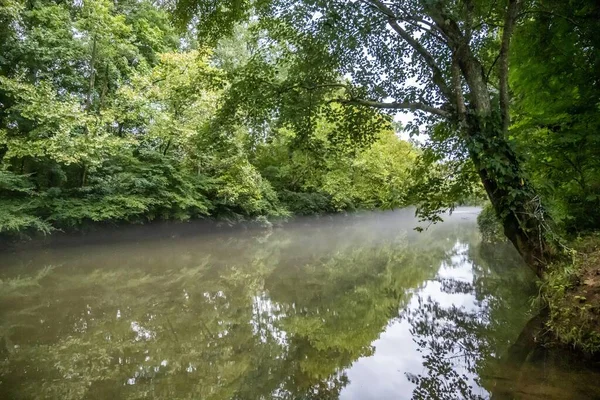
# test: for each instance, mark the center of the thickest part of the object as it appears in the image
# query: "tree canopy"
(108, 113)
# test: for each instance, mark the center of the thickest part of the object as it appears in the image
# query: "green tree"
(61, 129)
(447, 61)
(556, 81)
(333, 175)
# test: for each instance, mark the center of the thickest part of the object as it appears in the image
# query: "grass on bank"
(572, 293)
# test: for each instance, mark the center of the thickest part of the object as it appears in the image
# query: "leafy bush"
(14, 219)
(306, 203)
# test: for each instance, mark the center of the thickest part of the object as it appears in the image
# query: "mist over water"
(351, 307)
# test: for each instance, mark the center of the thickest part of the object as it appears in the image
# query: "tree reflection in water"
(461, 338)
(289, 315)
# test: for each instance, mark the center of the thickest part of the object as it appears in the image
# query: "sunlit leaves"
(59, 130)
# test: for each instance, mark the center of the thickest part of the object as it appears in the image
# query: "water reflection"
(351, 307)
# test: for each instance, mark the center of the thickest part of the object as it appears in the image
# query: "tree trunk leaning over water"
(514, 200)
(483, 126)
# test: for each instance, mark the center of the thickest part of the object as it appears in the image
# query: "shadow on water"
(354, 307)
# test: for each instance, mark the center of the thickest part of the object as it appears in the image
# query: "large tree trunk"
(512, 196)
(484, 128)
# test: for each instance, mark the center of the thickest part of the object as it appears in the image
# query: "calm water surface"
(344, 307)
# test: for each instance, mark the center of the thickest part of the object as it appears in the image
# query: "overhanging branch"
(438, 76)
(413, 106)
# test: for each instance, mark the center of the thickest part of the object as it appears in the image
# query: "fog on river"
(354, 306)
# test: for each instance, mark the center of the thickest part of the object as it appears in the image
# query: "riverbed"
(356, 306)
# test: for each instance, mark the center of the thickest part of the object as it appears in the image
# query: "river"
(351, 307)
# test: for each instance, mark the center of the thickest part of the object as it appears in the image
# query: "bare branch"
(395, 106)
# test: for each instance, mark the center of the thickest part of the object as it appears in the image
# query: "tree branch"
(446, 24)
(395, 106)
(512, 12)
(489, 72)
(438, 76)
(552, 13)
(470, 66)
(325, 85)
(461, 109)
(415, 22)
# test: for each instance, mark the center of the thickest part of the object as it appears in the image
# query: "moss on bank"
(572, 293)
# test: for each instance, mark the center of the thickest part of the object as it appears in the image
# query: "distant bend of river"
(338, 307)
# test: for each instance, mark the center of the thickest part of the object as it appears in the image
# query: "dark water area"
(343, 307)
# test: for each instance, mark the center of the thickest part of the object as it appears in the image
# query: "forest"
(109, 114)
(130, 111)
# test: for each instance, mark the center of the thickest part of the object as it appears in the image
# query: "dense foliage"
(107, 113)
(556, 82)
